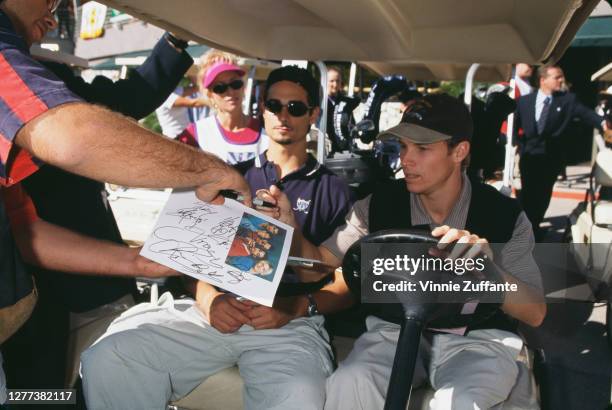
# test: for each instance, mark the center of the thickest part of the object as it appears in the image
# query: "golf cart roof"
(397, 31)
(603, 74)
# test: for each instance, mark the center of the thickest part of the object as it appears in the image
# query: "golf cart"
(429, 32)
(589, 228)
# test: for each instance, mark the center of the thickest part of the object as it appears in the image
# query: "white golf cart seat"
(602, 172)
(86, 328)
(603, 212)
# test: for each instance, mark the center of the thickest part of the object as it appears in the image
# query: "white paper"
(221, 245)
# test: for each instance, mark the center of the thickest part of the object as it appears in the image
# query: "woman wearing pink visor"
(229, 133)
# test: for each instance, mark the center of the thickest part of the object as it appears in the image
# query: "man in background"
(544, 117)
(173, 114)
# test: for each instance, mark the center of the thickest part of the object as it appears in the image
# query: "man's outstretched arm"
(94, 142)
(53, 247)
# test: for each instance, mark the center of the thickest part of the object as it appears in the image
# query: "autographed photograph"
(229, 246)
(257, 247)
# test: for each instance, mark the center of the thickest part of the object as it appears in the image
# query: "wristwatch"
(312, 306)
(177, 43)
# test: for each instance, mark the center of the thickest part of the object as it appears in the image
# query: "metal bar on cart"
(323, 119)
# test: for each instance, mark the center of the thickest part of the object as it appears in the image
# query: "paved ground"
(577, 360)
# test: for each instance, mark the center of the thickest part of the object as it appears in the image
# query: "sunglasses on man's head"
(53, 5)
(294, 108)
(220, 88)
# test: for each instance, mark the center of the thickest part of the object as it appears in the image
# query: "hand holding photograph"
(229, 246)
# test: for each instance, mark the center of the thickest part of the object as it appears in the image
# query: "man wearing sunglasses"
(42, 121)
(282, 352)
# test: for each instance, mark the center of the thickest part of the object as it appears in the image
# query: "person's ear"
(314, 115)
(462, 150)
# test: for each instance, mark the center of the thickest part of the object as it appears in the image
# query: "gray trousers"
(477, 371)
(155, 353)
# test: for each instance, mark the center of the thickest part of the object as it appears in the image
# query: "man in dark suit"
(544, 117)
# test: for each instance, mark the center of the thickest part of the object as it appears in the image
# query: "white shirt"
(173, 120)
(540, 104)
(523, 86)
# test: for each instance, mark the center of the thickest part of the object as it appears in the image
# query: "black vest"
(491, 215)
(15, 280)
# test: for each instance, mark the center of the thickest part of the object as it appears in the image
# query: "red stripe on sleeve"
(19, 206)
(18, 162)
(20, 165)
(14, 92)
(5, 149)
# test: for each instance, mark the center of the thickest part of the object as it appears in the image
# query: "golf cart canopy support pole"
(469, 85)
(352, 79)
(323, 119)
(510, 149)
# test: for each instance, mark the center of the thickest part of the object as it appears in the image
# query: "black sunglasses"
(220, 88)
(294, 108)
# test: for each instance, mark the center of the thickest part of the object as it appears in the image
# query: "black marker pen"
(228, 193)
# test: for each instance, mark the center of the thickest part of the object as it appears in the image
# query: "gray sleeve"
(356, 227)
(517, 255)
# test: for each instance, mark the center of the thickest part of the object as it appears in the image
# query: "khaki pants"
(12, 317)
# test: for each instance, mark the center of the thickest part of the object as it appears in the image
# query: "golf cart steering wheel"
(413, 312)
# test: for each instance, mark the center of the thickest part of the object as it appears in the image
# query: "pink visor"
(217, 69)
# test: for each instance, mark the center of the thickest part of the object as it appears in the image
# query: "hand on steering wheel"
(467, 245)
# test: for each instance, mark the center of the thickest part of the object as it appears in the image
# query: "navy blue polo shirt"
(319, 198)
(320, 201)
(27, 90)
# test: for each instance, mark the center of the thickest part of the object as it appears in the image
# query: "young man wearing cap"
(160, 353)
(469, 368)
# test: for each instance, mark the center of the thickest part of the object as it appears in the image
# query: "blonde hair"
(207, 59)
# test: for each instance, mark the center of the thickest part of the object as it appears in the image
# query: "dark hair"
(296, 75)
(543, 70)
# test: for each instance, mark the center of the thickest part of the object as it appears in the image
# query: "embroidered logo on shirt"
(302, 205)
